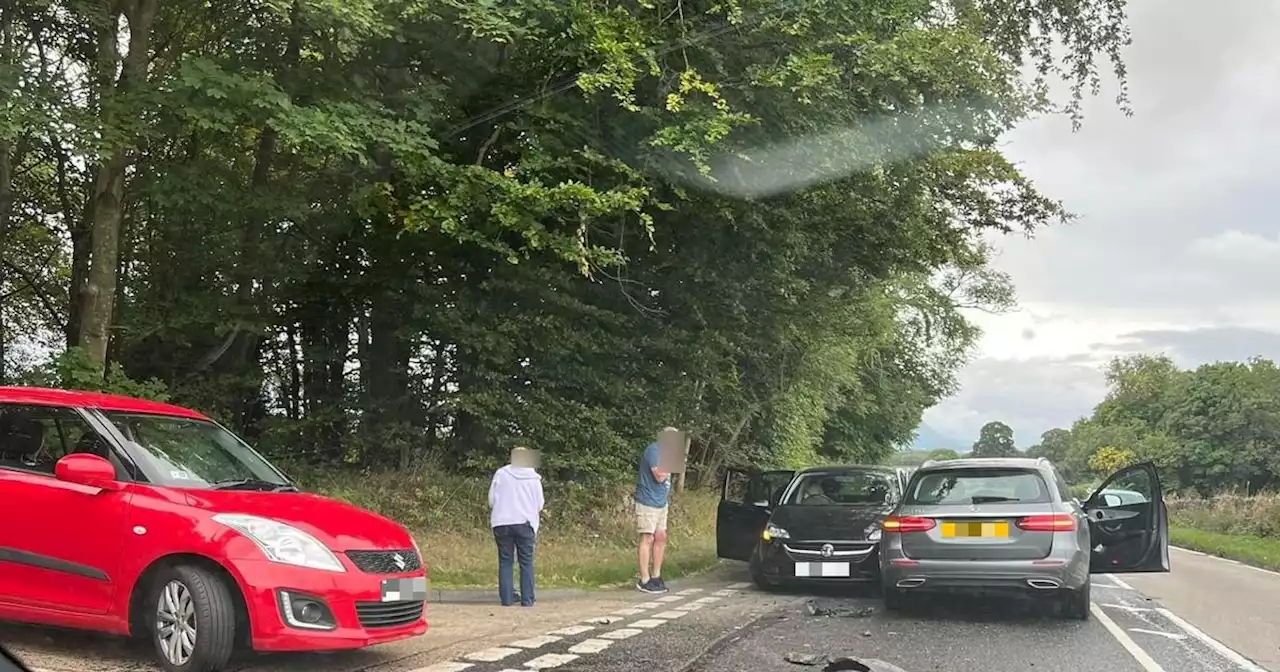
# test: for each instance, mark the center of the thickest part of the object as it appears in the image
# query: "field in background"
(587, 536)
(1230, 526)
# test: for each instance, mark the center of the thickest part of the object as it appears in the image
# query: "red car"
(140, 518)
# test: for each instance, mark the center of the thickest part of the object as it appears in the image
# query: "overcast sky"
(1177, 245)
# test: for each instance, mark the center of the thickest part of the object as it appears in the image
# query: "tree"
(995, 440)
(1110, 459)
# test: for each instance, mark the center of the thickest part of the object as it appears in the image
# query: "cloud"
(1190, 348)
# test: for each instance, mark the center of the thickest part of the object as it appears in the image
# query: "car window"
(195, 453)
(1064, 491)
(853, 487)
(34, 438)
(978, 486)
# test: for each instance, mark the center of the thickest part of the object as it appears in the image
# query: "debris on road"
(839, 612)
(841, 664)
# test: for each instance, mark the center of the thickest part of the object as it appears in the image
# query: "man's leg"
(524, 550)
(659, 545)
(506, 557)
(646, 523)
(645, 551)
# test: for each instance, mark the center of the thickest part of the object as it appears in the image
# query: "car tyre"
(894, 598)
(1075, 603)
(757, 575)
(192, 619)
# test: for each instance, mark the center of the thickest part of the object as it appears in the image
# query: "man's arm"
(493, 488)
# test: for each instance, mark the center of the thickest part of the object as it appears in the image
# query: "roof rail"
(1042, 460)
(928, 463)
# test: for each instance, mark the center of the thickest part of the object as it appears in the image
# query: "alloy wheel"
(176, 623)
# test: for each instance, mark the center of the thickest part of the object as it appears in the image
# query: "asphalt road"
(1178, 622)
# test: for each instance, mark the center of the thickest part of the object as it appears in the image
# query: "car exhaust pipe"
(910, 583)
(1043, 584)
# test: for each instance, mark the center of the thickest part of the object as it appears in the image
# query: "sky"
(1176, 248)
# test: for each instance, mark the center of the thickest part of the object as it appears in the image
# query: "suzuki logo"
(399, 560)
(827, 550)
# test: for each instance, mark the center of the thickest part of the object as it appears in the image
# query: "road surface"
(1208, 615)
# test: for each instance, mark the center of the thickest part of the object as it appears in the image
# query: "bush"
(1257, 515)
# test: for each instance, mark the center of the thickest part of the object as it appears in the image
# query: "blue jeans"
(515, 542)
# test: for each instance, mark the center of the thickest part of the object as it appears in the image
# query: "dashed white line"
(689, 607)
(689, 591)
(604, 620)
(1125, 640)
(1212, 643)
(739, 586)
(591, 646)
(668, 615)
(447, 666)
(621, 633)
(649, 605)
(492, 655)
(536, 642)
(550, 660)
(669, 598)
(647, 623)
(1170, 635)
(1119, 582)
(575, 629)
(634, 611)
(706, 600)
(727, 592)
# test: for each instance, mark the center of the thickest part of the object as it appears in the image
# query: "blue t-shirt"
(649, 490)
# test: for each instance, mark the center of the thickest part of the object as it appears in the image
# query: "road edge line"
(1139, 654)
(1241, 563)
(1226, 652)
(1119, 582)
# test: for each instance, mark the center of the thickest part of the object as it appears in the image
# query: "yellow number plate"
(999, 529)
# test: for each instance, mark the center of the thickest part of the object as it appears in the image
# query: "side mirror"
(87, 469)
(764, 504)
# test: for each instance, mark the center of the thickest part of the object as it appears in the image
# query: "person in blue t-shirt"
(653, 488)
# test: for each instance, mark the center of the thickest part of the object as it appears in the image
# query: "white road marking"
(1110, 586)
(1234, 562)
(689, 607)
(706, 600)
(1186, 550)
(448, 666)
(621, 633)
(1212, 643)
(1170, 635)
(629, 612)
(1119, 582)
(647, 623)
(491, 655)
(669, 598)
(1259, 569)
(689, 591)
(649, 605)
(591, 646)
(536, 642)
(604, 620)
(727, 592)
(1132, 610)
(668, 615)
(573, 630)
(550, 660)
(1125, 640)
(739, 586)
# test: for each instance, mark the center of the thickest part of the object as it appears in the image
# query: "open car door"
(747, 498)
(1128, 523)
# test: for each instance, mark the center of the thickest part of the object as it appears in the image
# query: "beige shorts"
(650, 519)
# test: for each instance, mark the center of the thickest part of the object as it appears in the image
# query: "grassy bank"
(1244, 528)
(587, 537)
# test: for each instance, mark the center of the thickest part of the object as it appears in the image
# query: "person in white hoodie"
(515, 500)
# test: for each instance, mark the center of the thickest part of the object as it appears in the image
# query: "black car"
(820, 524)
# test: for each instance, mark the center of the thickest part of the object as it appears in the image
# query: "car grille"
(815, 547)
(388, 614)
(384, 562)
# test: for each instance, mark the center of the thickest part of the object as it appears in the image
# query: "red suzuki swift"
(134, 517)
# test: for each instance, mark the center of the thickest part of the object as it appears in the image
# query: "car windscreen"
(844, 488)
(978, 486)
(193, 453)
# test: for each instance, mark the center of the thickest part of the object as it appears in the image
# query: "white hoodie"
(515, 497)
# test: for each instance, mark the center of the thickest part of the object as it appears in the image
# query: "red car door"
(60, 542)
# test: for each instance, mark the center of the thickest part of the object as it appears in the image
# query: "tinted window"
(847, 487)
(978, 486)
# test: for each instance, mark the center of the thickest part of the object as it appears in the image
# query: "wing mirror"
(87, 469)
(764, 503)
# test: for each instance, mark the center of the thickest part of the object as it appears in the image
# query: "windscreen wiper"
(253, 484)
(991, 499)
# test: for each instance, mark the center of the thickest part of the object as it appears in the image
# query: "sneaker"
(659, 584)
(648, 587)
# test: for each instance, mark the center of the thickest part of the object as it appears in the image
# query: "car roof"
(39, 396)
(845, 467)
(986, 462)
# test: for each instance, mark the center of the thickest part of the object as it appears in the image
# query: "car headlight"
(874, 535)
(282, 543)
(772, 531)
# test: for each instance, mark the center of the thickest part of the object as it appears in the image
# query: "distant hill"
(928, 438)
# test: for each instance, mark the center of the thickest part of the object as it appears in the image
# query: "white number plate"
(822, 569)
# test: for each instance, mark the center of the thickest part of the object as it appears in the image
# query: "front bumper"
(261, 582)
(782, 561)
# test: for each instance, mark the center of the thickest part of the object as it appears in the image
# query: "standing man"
(653, 489)
(515, 498)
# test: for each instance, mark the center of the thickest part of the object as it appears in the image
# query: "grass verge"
(1257, 551)
(587, 537)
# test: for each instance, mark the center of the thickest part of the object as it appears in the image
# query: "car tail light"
(895, 524)
(1058, 522)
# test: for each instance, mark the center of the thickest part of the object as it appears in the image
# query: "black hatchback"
(820, 524)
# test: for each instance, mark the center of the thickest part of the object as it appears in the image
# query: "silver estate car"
(1010, 525)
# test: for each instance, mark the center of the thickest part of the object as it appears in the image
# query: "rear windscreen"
(978, 486)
